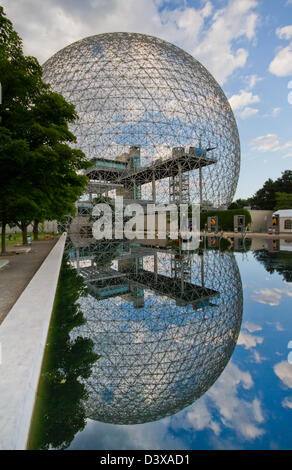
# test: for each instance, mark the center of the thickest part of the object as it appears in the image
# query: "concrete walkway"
(19, 271)
(23, 336)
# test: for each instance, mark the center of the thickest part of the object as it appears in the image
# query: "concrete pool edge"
(23, 336)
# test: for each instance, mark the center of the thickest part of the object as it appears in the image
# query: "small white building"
(285, 220)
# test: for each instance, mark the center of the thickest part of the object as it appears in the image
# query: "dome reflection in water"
(164, 322)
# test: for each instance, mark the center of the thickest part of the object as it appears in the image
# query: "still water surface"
(161, 349)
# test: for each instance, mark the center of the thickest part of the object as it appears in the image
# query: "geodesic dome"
(158, 353)
(136, 90)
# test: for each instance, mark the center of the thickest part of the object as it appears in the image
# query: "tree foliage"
(283, 201)
(239, 204)
(40, 177)
(266, 197)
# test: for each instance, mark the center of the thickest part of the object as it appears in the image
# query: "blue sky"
(245, 44)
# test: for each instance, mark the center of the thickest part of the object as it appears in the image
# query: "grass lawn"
(17, 238)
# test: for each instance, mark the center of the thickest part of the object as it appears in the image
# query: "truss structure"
(132, 90)
(165, 325)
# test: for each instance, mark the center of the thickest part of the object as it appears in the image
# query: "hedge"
(225, 218)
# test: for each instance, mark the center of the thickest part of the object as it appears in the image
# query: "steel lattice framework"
(164, 324)
(135, 90)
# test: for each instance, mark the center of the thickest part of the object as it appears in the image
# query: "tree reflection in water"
(276, 261)
(59, 412)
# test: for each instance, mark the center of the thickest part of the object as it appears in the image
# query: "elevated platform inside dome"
(97, 187)
(175, 288)
(166, 168)
(116, 171)
(111, 283)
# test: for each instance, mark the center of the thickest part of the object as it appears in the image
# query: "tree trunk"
(36, 230)
(24, 233)
(3, 242)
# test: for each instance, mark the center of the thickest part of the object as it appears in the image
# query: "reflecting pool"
(156, 348)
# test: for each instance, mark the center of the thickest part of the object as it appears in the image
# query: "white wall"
(260, 219)
(282, 225)
(23, 336)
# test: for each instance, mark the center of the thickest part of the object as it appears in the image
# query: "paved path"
(20, 270)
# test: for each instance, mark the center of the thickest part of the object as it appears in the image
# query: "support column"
(202, 270)
(179, 183)
(182, 276)
(135, 190)
(155, 267)
(200, 184)
(153, 187)
(77, 261)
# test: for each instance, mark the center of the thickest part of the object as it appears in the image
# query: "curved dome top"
(136, 90)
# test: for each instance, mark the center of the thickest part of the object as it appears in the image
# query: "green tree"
(39, 178)
(283, 201)
(20, 79)
(54, 164)
(239, 204)
(265, 198)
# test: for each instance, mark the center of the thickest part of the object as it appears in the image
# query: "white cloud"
(276, 112)
(267, 297)
(48, 26)
(231, 411)
(200, 417)
(145, 436)
(287, 402)
(247, 112)
(279, 327)
(242, 416)
(252, 80)
(265, 143)
(281, 65)
(269, 143)
(249, 341)
(242, 99)
(271, 297)
(285, 32)
(252, 327)
(216, 49)
(258, 358)
(284, 371)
